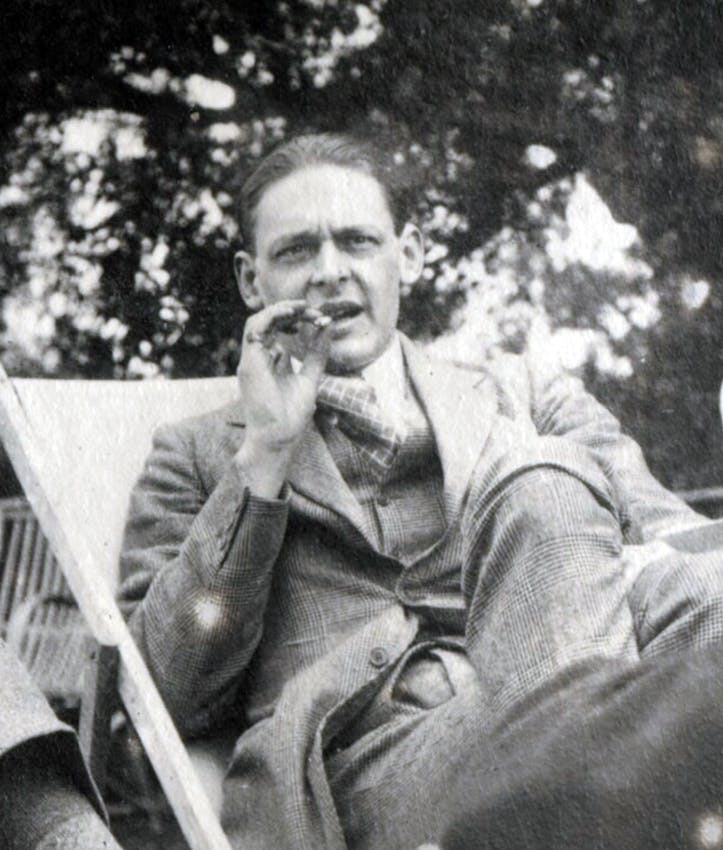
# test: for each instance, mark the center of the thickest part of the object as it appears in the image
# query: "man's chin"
(351, 356)
(336, 366)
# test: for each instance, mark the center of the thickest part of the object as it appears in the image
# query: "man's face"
(325, 234)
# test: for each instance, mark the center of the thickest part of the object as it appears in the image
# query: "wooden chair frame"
(95, 599)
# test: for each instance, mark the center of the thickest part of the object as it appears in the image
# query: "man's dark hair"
(323, 149)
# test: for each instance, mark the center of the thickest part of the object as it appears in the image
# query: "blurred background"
(568, 156)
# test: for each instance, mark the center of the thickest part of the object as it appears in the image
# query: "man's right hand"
(279, 401)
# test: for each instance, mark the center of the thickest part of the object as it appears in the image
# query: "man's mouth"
(337, 311)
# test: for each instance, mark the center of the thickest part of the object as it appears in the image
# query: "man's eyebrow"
(287, 238)
(357, 229)
(312, 235)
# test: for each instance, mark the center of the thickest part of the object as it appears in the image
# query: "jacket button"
(379, 657)
(383, 501)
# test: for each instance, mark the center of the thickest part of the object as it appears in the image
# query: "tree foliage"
(127, 128)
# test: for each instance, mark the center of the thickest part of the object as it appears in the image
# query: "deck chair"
(77, 447)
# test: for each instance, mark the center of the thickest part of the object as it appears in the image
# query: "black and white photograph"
(361, 425)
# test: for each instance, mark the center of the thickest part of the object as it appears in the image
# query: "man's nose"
(332, 265)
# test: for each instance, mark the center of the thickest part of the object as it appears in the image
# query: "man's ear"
(244, 267)
(411, 244)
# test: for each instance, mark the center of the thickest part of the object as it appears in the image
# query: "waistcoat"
(405, 506)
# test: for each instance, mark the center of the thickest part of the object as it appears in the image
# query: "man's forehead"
(320, 196)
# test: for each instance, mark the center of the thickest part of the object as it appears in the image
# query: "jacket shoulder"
(212, 421)
(202, 444)
(510, 376)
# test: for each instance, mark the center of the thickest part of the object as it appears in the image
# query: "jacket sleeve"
(559, 405)
(196, 573)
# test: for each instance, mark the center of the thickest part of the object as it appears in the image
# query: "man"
(47, 799)
(374, 559)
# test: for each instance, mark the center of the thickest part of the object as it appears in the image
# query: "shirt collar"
(386, 375)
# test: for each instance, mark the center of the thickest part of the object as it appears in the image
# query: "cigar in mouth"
(335, 310)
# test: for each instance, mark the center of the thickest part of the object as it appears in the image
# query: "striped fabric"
(355, 403)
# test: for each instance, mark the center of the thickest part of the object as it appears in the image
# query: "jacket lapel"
(461, 405)
(314, 478)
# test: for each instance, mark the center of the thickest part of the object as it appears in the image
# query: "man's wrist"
(264, 466)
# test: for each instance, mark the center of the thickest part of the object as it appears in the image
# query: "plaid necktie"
(361, 418)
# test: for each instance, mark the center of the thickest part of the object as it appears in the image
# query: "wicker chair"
(38, 616)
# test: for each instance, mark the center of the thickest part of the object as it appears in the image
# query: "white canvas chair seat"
(95, 436)
(77, 448)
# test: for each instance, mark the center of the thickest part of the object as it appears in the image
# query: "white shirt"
(388, 378)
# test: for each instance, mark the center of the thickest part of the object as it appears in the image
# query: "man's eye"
(361, 240)
(296, 251)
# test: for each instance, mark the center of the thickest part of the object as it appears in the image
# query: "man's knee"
(543, 485)
(549, 503)
(544, 514)
(677, 602)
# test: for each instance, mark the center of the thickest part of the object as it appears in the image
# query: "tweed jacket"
(282, 614)
(26, 716)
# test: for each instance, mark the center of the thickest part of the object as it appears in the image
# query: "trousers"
(620, 684)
